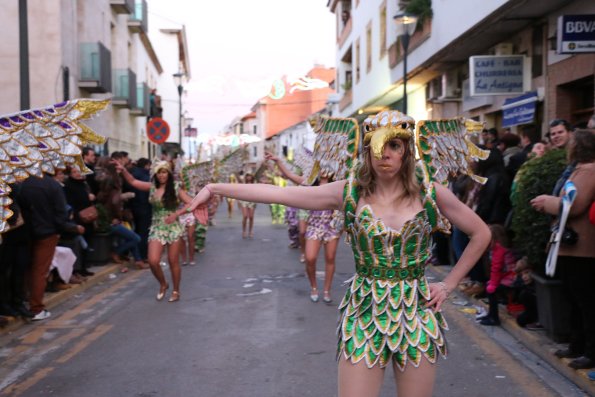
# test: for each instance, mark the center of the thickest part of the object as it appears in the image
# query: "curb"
(536, 341)
(53, 299)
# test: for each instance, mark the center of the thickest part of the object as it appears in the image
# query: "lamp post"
(188, 123)
(178, 79)
(405, 27)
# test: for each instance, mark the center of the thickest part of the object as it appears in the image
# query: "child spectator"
(502, 275)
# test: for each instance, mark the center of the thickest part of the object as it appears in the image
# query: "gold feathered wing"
(231, 164)
(196, 176)
(445, 150)
(335, 148)
(42, 140)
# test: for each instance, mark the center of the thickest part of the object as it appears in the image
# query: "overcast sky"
(238, 47)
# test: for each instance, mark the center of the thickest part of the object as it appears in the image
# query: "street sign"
(157, 130)
(576, 34)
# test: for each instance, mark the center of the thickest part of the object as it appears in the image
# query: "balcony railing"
(95, 68)
(122, 6)
(139, 21)
(124, 88)
(141, 108)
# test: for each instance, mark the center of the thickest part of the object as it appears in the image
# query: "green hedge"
(531, 228)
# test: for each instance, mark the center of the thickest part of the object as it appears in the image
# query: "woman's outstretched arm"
(132, 181)
(325, 197)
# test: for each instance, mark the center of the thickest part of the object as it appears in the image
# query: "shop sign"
(499, 74)
(519, 110)
(576, 34)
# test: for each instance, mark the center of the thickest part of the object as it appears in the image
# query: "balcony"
(141, 108)
(95, 68)
(122, 6)
(139, 21)
(124, 88)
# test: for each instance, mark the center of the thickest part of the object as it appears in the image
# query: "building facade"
(370, 59)
(87, 49)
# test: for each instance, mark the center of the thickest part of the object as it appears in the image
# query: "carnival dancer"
(165, 196)
(322, 228)
(248, 208)
(230, 201)
(390, 313)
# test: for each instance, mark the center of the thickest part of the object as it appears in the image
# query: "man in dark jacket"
(44, 209)
(140, 206)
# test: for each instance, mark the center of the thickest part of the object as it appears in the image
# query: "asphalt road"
(244, 327)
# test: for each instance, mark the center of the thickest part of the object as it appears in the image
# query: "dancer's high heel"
(161, 293)
(175, 296)
(314, 295)
(326, 297)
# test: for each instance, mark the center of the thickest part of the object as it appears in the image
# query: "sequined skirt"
(384, 320)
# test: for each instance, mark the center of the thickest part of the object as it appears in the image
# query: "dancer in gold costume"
(390, 312)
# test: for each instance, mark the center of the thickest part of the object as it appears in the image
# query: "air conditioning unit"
(434, 89)
(504, 49)
(451, 86)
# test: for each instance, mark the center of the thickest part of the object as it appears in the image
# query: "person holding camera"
(576, 258)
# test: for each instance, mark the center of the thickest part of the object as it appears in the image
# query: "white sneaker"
(42, 315)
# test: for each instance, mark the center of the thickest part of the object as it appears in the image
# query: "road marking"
(8, 385)
(85, 342)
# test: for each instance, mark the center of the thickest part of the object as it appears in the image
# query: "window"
(537, 52)
(255, 151)
(357, 61)
(382, 30)
(369, 47)
(254, 130)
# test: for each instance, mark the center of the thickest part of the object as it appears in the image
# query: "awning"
(519, 110)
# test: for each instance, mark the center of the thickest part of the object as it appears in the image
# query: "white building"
(85, 49)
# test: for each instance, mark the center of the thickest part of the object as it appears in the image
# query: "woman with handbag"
(576, 258)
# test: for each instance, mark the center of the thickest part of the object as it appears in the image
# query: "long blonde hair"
(367, 178)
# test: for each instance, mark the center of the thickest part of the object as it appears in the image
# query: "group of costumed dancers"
(388, 202)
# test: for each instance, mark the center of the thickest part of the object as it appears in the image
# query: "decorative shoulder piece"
(42, 140)
(335, 149)
(445, 149)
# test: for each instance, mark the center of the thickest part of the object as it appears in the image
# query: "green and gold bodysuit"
(383, 314)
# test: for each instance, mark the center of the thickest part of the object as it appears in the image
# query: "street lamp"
(178, 79)
(188, 122)
(405, 27)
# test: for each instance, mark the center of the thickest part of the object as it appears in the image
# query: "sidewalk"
(535, 341)
(53, 299)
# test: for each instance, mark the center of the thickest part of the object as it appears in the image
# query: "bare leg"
(330, 253)
(302, 226)
(312, 249)
(244, 220)
(155, 252)
(416, 382)
(173, 254)
(250, 222)
(183, 246)
(356, 380)
(190, 232)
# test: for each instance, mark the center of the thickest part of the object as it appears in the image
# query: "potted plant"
(531, 233)
(100, 244)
